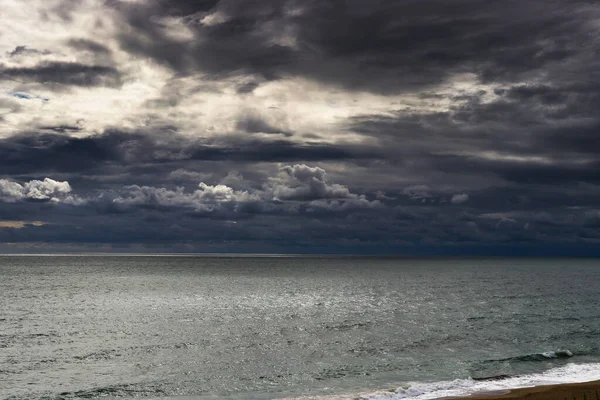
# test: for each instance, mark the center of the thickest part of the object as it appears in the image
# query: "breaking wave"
(570, 373)
(548, 355)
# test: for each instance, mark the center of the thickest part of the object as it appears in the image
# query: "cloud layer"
(418, 127)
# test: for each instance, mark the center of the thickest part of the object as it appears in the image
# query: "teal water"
(268, 327)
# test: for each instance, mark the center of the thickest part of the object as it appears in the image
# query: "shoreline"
(589, 390)
(563, 391)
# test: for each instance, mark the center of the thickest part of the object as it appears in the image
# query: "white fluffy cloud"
(205, 198)
(293, 183)
(11, 192)
(46, 190)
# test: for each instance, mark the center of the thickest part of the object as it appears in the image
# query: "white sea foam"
(571, 373)
(554, 354)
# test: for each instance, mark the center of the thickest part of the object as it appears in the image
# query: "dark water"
(267, 327)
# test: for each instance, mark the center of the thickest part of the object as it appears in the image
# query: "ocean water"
(239, 327)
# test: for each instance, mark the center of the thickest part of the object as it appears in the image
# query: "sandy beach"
(571, 391)
(568, 391)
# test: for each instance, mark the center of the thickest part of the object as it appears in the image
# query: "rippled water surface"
(266, 327)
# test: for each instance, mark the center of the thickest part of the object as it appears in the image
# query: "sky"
(413, 127)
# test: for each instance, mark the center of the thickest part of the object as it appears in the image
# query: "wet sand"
(571, 391)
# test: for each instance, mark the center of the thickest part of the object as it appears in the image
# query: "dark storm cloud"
(524, 134)
(51, 152)
(556, 173)
(170, 218)
(579, 138)
(546, 95)
(488, 144)
(47, 152)
(183, 7)
(378, 45)
(350, 231)
(277, 151)
(64, 73)
(234, 46)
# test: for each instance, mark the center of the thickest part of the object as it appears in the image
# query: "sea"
(207, 327)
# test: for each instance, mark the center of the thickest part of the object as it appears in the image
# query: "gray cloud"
(247, 87)
(459, 198)
(302, 182)
(253, 124)
(34, 153)
(391, 47)
(64, 73)
(21, 51)
(89, 45)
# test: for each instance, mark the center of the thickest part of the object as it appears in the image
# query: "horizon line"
(284, 255)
